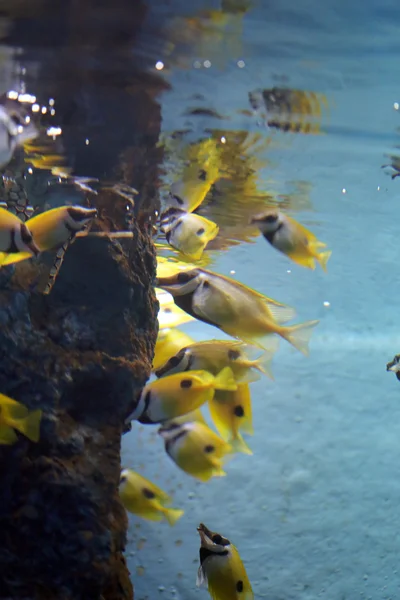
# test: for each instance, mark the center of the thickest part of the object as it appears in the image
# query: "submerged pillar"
(83, 352)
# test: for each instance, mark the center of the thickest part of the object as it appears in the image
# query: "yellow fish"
(214, 355)
(197, 179)
(169, 314)
(195, 449)
(221, 568)
(187, 232)
(14, 415)
(53, 228)
(143, 498)
(169, 342)
(16, 239)
(235, 308)
(231, 413)
(291, 238)
(176, 395)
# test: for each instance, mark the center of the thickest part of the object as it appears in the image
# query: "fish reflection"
(223, 183)
(286, 109)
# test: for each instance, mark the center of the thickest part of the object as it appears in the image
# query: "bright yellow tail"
(323, 258)
(172, 515)
(239, 445)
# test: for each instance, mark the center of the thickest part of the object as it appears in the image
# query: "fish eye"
(271, 218)
(167, 310)
(183, 277)
(148, 493)
(206, 284)
(200, 231)
(209, 448)
(203, 175)
(238, 411)
(174, 361)
(122, 479)
(233, 354)
(186, 383)
(26, 235)
(216, 538)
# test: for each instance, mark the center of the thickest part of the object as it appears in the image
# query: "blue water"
(314, 511)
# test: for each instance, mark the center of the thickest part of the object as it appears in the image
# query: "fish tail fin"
(30, 425)
(239, 445)
(323, 258)
(263, 364)
(300, 335)
(225, 380)
(173, 514)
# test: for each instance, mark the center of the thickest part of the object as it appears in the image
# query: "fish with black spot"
(169, 397)
(221, 568)
(214, 355)
(231, 413)
(195, 448)
(143, 498)
(53, 228)
(187, 232)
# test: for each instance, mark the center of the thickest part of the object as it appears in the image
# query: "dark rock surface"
(82, 354)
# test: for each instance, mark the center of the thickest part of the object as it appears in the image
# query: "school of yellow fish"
(188, 375)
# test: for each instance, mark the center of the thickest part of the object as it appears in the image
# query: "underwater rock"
(81, 354)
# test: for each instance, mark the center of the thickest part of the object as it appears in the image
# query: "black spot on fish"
(167, 310)
(148, 493)
(203, 175)
(271, 218)
(239, 586)
(200, 231)
(186, 383)
(233, 354)
(174, 361)
(238, 411)
(209, 448)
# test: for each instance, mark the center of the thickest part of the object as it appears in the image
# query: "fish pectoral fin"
(201, 579)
